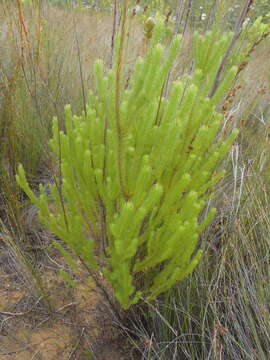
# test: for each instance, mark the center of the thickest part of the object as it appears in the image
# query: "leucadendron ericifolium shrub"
(136, 171)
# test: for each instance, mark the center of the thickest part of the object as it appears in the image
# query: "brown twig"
(115, 16)
(237, 31)
(73, 351)
(104, 292)
(80, 67)
(7, 313)
(243, 64)
(190, 3)
(179, 16)
(120, 59)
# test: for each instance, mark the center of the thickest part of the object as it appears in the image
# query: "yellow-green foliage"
(256, 30)
(136, 171)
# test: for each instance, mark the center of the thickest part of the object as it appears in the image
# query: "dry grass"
(222, 310)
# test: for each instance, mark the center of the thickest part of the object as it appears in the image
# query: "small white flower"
(200, 7)
(203, 16)
(231, 9)
(138, 9)
(151, 20)
(237, 6)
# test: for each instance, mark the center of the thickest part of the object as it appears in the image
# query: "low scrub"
(137, 168)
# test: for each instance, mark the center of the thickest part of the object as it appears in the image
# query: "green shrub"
(136, 171)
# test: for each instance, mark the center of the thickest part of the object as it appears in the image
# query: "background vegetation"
(221, 311)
